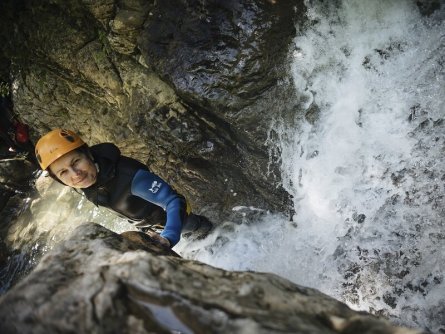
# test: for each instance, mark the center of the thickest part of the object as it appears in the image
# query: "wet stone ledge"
(102, 282)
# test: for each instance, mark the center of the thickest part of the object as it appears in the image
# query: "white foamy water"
(365, 166)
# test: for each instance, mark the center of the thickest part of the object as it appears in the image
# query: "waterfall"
(367, 169)
(364, 161)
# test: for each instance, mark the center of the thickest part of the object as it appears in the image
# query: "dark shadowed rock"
(428, 7)
(220, 55)
(4, 253)
(100, 282)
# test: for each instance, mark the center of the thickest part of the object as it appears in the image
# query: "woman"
(122, 184)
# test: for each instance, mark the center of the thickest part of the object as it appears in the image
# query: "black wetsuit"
(129, 188)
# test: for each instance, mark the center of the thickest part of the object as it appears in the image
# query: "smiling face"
(75, 169)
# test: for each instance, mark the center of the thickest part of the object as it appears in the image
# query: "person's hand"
(158, 238)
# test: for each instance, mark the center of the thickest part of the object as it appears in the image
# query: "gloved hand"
(156, 237)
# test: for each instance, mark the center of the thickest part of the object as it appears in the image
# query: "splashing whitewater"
(365, 164)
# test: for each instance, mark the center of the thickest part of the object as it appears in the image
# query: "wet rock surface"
(16, 174)
(189, 87)
(102, 282)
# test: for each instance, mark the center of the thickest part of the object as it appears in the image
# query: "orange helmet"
(55, 144)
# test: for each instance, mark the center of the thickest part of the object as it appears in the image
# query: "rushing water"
(45, 219)
(364, 161)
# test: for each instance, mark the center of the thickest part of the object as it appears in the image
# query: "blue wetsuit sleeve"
(155, 190)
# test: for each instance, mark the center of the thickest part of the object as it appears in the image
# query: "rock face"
(101, 282)
(15, 178)
(189, 87)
